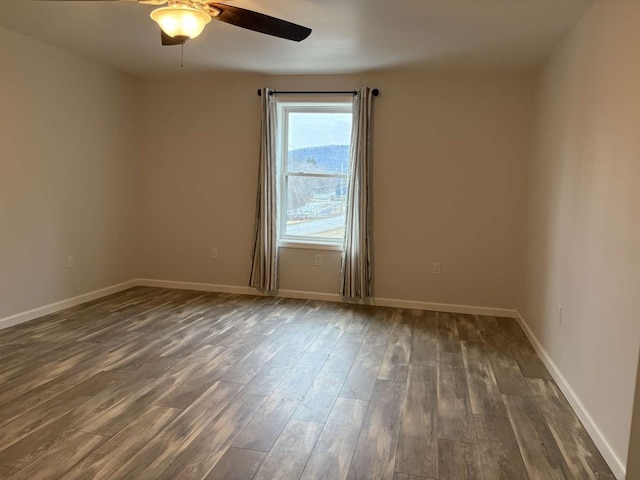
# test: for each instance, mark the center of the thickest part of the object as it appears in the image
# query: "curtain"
(356, 260)
(264, 268)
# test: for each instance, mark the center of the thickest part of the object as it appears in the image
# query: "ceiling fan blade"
(259, 22)
(168, 40)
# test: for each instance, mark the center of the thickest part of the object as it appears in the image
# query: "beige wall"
(450, 154)
(584, 228)
(65, 175)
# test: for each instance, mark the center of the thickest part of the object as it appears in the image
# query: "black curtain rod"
(375, 92)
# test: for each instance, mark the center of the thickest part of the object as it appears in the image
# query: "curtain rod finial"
(259, 92)
(375, 92)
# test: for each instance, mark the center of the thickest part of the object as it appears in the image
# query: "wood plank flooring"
(166, 384)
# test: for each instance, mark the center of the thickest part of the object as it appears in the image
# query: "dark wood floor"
(179, 385)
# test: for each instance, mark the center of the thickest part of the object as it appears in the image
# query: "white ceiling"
(348, 35)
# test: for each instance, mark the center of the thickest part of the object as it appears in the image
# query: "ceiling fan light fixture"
(181, 20)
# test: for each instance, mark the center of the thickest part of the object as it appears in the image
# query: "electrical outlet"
(318, 262)
(71, 262)
(560, 314)
(436, 268)
(214, 252)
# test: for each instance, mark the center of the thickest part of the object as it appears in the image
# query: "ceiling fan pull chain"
(182, 55)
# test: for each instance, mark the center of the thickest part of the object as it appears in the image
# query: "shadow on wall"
(633, 466)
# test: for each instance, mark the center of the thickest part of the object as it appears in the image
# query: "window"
(313, 150)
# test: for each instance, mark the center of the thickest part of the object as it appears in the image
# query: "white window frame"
(284, 109)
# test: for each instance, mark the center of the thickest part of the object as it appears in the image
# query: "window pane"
(319, 142)
(316, 207)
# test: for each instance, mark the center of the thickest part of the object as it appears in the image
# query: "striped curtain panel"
(264, 268)
(356, 259)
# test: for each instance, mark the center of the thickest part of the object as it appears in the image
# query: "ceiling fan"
(182, 20)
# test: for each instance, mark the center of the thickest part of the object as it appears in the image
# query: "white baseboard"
(200, 287)
(333, 297)
(445, 307)
(209, 287)
(611, 457)
(61, 305)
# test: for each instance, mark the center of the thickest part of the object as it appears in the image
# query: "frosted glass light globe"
(181, 20)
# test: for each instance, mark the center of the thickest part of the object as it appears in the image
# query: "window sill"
(310, 245)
